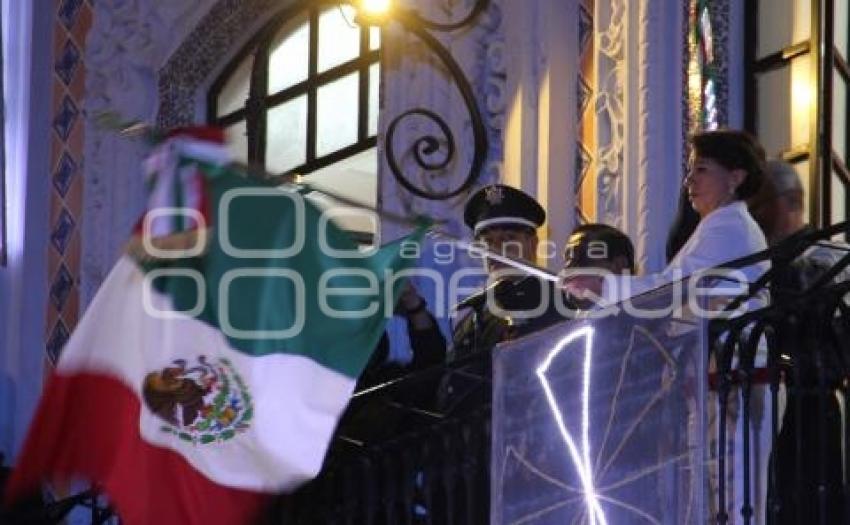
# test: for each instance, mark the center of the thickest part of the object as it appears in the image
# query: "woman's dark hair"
(733, 149)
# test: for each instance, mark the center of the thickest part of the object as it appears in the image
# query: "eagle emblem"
(494, 195)
(202, 403)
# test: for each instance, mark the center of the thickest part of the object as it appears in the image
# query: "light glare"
(581, 459)
(375, 7)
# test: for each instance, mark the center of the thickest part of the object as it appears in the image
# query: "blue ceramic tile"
(69, 11)
(58, 337)
(64, 175)
(62, 231)
(65, 117)
(61, 287)
(67, 62)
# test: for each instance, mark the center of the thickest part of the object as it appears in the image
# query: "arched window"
(302, 97)
(702, 68)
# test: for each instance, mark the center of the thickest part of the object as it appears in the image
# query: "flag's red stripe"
(88, 425)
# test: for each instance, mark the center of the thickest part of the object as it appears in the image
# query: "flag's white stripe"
(296, 401)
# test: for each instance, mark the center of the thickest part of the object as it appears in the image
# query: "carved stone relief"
(126, 53)
(128, 42)
(610, 110)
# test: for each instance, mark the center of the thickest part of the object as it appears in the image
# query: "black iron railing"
(416, 450)
(412, 451)
(400, 458)
(804, 336)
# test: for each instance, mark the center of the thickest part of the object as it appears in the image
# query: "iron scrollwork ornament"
(430, 144)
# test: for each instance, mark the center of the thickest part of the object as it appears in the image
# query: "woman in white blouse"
(726, 168)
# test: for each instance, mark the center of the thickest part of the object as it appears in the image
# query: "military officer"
(504, 220)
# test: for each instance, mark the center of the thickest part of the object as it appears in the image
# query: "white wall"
(27, 33)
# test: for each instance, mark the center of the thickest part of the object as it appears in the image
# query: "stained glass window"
(702, 68)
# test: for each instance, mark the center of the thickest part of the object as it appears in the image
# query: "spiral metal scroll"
(430, 144)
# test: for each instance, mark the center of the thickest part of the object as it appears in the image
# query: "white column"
(659, 168)
(540, 129)
(610, 26)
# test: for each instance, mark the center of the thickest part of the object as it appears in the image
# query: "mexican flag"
(196, 386)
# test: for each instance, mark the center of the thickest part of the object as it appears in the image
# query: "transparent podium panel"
(600, 420)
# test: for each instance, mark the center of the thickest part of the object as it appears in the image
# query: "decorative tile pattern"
(586, 92)
(58, 337)
(490, 84)
(609, 148)
(583, 95)
(67, 62)
(585, 28)
(61, 287)
(192, 63)
(65, 118)
(72, 20)
(64, 175)
(69, 11)
(62, 231)
(583, 160)
(56, 341)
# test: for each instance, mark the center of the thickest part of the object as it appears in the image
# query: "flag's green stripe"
(269, 303)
